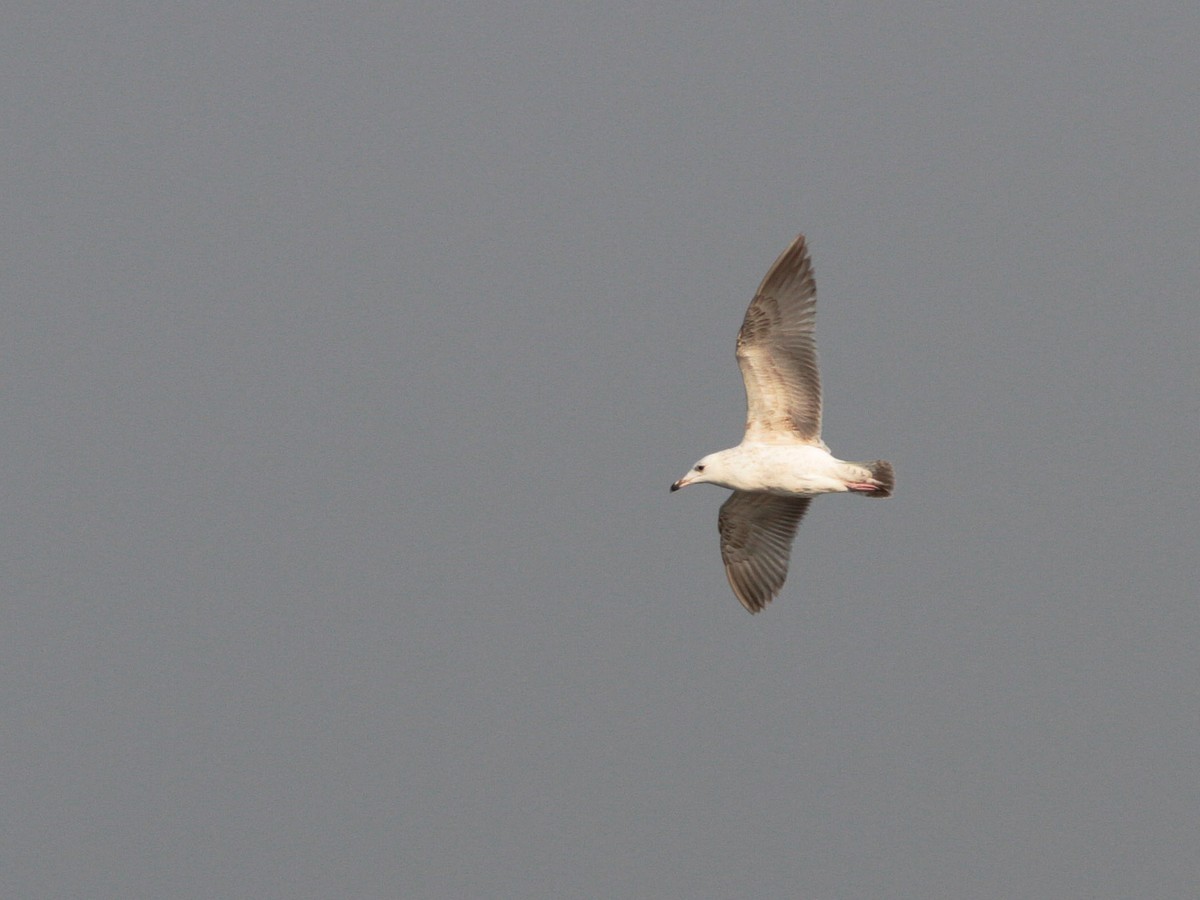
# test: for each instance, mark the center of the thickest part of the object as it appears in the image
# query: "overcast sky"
(349, 351)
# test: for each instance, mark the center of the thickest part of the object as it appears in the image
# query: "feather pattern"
(756, 543)
(777, 353)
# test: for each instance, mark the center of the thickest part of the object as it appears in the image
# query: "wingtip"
(746, 592)
(794, 266)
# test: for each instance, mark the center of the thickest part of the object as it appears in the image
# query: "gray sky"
(348, 354)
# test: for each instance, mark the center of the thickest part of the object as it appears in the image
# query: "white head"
(709, 469)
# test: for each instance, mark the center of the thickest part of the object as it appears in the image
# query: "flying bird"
(781, 463)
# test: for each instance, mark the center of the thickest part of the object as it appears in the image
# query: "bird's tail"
(882, 477)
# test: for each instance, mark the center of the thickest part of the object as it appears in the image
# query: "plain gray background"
(349, 351)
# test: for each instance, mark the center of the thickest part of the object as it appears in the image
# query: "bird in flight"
(781, 463)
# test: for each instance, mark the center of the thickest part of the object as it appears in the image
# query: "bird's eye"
(699, 468)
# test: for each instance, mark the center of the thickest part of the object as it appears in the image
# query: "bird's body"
(788, 470)
(781, 463)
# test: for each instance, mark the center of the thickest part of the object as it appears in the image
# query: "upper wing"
(777, 353)
(756, 543)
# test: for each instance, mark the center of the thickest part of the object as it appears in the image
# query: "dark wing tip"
(749, 594)
(791, 271)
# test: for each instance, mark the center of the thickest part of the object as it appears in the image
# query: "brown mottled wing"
(756, 543)
(777, 353)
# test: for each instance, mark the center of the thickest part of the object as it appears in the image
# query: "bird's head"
(706, 470)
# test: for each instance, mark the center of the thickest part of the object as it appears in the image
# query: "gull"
(781, 463)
